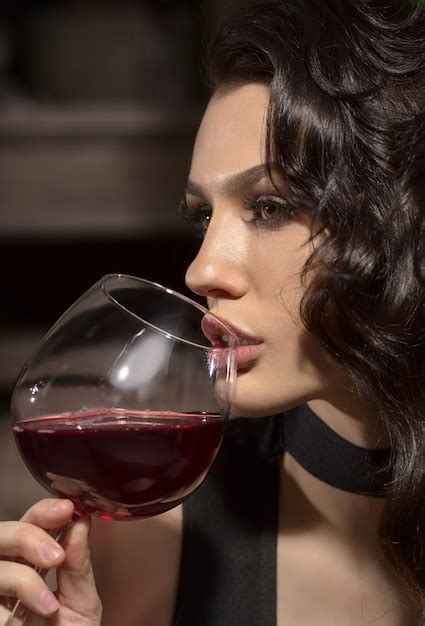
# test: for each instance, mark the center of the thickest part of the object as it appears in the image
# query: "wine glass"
(123, 405)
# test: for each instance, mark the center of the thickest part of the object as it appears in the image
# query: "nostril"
(217, 294)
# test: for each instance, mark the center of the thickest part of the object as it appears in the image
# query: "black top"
(228, 564)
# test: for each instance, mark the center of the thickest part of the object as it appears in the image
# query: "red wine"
(118, 464)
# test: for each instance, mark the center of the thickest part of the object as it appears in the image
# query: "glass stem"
(20, 612)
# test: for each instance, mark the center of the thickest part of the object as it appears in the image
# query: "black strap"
(331, 458)
(228, 565)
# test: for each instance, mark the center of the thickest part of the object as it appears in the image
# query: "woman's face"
(251, 257)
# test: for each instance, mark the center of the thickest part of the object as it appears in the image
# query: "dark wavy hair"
(346, 128)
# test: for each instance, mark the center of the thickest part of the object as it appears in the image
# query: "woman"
(307, 189)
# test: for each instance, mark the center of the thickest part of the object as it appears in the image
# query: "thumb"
(76, 585)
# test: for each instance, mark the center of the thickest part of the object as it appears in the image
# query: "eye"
(268, 210)
(271, 210)
(198, 215)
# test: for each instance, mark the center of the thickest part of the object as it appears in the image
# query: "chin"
(262, 390)
(260, 404)
(244, 411)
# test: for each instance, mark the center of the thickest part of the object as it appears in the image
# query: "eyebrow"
(236, 183)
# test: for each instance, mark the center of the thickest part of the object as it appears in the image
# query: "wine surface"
(119, 464)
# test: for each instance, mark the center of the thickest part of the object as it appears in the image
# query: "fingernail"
(50, 551)
(48, 601)
(57, 505)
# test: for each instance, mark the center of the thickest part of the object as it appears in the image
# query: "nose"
(219, 269)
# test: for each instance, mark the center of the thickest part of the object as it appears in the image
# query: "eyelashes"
(269, 212)
(198, 215)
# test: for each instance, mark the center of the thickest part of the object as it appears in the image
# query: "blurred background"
(99, 106)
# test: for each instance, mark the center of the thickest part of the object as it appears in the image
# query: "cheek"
(294, 368)
(290, 372)
(276, 260)
(279, 295)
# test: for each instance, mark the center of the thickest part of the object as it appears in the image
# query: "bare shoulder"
(136, 567)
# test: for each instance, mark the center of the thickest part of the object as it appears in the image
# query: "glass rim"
(109, 277)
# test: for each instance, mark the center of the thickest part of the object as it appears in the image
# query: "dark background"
(99, 106)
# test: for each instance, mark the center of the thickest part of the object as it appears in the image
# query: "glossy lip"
(245, 354)
(214, 332)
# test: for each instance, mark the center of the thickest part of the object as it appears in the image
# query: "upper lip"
(213, 330)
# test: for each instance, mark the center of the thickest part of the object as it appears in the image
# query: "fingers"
(5, 616)
(19, 539)
(49, 513)
(22, 582)
(28, 540)
(76, 584)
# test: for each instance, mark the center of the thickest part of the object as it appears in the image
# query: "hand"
(76, 600)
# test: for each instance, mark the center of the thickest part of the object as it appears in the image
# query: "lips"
(248, 346)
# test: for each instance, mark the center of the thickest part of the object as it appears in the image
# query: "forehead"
(232, 133)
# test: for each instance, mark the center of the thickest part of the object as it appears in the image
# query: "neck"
(353, 420)
(311, 503)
